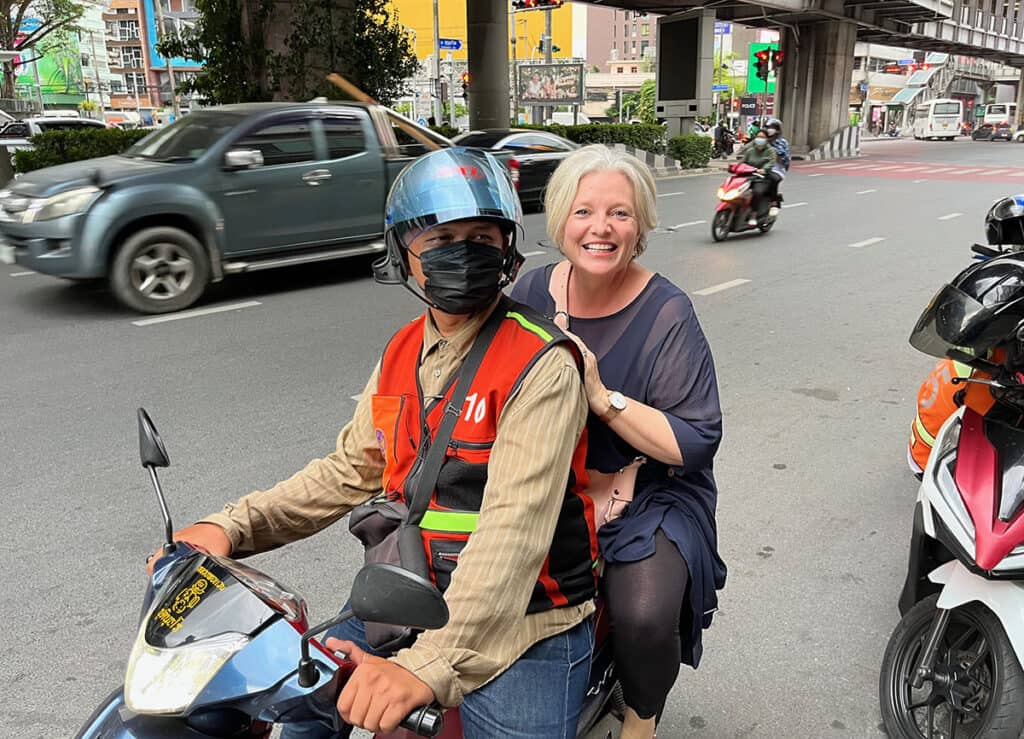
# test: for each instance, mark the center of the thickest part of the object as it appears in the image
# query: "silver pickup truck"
(220, 191)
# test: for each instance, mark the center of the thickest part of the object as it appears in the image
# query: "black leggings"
(644, 600)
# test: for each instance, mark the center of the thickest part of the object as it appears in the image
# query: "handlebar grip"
(985, 251)
(425, 721)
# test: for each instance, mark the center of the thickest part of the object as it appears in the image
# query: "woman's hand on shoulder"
(597, 393)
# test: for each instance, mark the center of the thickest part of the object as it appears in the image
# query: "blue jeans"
(539, 697)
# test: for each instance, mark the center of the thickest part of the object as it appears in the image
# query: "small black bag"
(389, 529)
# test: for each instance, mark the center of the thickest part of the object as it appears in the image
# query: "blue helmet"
(443, 186)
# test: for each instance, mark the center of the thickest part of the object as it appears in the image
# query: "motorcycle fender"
(723, 205)
(113, 720)
(1005, 598)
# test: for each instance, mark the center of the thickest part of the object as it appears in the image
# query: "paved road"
(808, 326)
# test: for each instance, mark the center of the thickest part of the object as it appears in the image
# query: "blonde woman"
(654, 410)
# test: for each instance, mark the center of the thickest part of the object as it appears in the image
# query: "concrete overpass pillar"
(815, 84)
(487, 37)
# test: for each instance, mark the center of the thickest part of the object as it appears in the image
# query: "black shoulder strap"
(419, 498)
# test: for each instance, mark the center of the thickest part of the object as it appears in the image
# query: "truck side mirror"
(243, 159)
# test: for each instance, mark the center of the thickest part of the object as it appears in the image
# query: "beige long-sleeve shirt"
(488, 628)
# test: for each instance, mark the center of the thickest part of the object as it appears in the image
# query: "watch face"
(617, 401)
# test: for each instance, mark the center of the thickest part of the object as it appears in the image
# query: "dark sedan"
(534, 153)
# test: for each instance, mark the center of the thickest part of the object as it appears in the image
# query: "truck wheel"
(159, 270)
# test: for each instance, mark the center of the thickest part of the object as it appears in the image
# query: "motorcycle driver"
(519, 581)
(938, 396)
(763, 158)
(773, 127)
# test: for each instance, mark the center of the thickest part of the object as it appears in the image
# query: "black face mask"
(462, 277)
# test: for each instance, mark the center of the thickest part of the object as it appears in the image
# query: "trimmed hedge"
(691, 150)
(645, 136)
(449, 132)
(59, 147)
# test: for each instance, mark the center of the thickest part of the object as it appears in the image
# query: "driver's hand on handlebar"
(207, 537)
(379, 694)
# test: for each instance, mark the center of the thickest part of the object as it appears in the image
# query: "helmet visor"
(454, 185)
(953, 322)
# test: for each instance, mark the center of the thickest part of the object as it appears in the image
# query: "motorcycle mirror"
(153, 455)
(151, 446)
(388, 594)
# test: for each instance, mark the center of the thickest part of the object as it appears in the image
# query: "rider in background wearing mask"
(762, 157)
(506, 535)
(773, 127)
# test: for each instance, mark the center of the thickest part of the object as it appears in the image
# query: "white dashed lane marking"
(21, 274)
(719, 288)
(794, 205)
(684, 225)
(670, 194)
(950, 216)
(816, 175)
(866, 242)
(532, 253)
(865, 192)
(196, 313)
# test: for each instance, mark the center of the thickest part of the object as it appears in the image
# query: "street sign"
(422, 121)
(863, 86)
(748, 105)
(28, 25)
(719, 88)
(906, 62)
(722, 28)
(453, 44)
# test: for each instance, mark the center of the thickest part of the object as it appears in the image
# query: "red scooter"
(736, 206)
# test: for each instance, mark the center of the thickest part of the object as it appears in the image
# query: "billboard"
(177, 22)
(550, 84)
(59, 64)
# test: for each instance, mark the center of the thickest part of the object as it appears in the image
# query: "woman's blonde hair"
(565, 181)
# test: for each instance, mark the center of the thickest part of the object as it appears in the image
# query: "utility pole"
(549, 111)
(35, 71)
(451, 91)
(515, 71)
(437, 69)
(160, 33)
(96, 74)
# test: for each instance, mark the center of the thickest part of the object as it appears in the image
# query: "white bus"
(938, 119)
(997, 113)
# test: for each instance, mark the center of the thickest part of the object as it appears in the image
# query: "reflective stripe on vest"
(925, 436)
(451, 522)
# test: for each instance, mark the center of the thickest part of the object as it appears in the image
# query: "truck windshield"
(186, 139)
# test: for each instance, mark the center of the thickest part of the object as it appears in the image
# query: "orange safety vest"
(936, 402)
(400, 418)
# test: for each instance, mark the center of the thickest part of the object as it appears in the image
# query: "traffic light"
(465, 84)
(518, 5)
(761, 62)
(777, 56)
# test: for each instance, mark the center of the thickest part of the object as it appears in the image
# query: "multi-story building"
(178, 16)
(127, 59)
(92, 43)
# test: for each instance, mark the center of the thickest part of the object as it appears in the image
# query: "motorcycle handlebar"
(425, 721)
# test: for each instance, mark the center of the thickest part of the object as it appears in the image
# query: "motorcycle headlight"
(724, 194)
(65, 204)
(166, 681)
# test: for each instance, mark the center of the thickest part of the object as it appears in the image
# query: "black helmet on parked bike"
(1004, 223)
(980, 309)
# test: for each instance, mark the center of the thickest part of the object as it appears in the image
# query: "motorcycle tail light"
(167, 680)
(513, 170)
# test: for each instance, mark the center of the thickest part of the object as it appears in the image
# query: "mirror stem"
(168, 526)
(308, 672)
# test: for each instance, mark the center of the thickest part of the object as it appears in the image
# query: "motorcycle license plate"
(6, 254)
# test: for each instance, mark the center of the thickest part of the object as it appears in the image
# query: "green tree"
(230, 40)
(366, 45)
(638, 105)
(54, 15)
